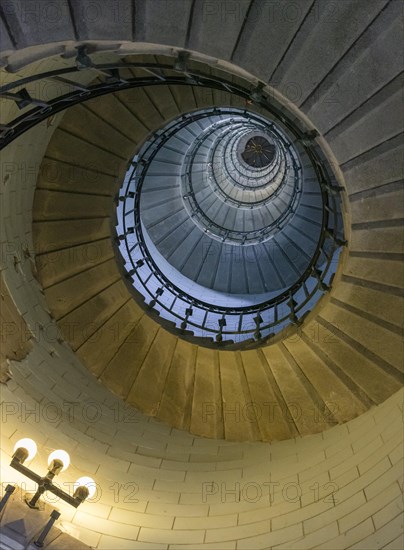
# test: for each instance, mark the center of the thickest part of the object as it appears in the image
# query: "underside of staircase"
(344, 359)
(190, 434)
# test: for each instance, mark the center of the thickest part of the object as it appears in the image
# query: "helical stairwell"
(224, 242)
(178, 322)
(220, 262)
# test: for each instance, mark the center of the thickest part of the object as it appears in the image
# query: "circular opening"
(258, 152)
(227, 227)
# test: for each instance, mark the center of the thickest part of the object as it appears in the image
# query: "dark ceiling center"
(258, 152)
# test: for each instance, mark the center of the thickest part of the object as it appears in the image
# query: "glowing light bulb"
(86, 482)
(61, 455)
(29, 445)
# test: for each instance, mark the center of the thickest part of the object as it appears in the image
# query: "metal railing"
(217, 324)
(246, 325)
(292, 173)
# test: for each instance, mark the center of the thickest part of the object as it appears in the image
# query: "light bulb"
(29, 445)
(86, 482)
(61, 455)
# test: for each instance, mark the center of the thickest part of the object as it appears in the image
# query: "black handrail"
(244, 236)
(34, 110)
(314, 272)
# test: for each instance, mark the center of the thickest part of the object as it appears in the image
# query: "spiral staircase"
(221, 240)
(94, 297)
(188, 202)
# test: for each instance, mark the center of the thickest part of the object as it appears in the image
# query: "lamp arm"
(63, 495)
(26, 471)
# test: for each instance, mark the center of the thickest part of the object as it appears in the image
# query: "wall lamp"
(25, 450)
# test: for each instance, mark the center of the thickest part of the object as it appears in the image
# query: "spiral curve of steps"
(348, 353)
(342, 63)
(236, 237)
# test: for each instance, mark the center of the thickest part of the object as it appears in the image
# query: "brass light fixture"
(58, 461)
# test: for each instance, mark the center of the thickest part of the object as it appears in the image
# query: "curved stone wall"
(161, 488)
(165, 488)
